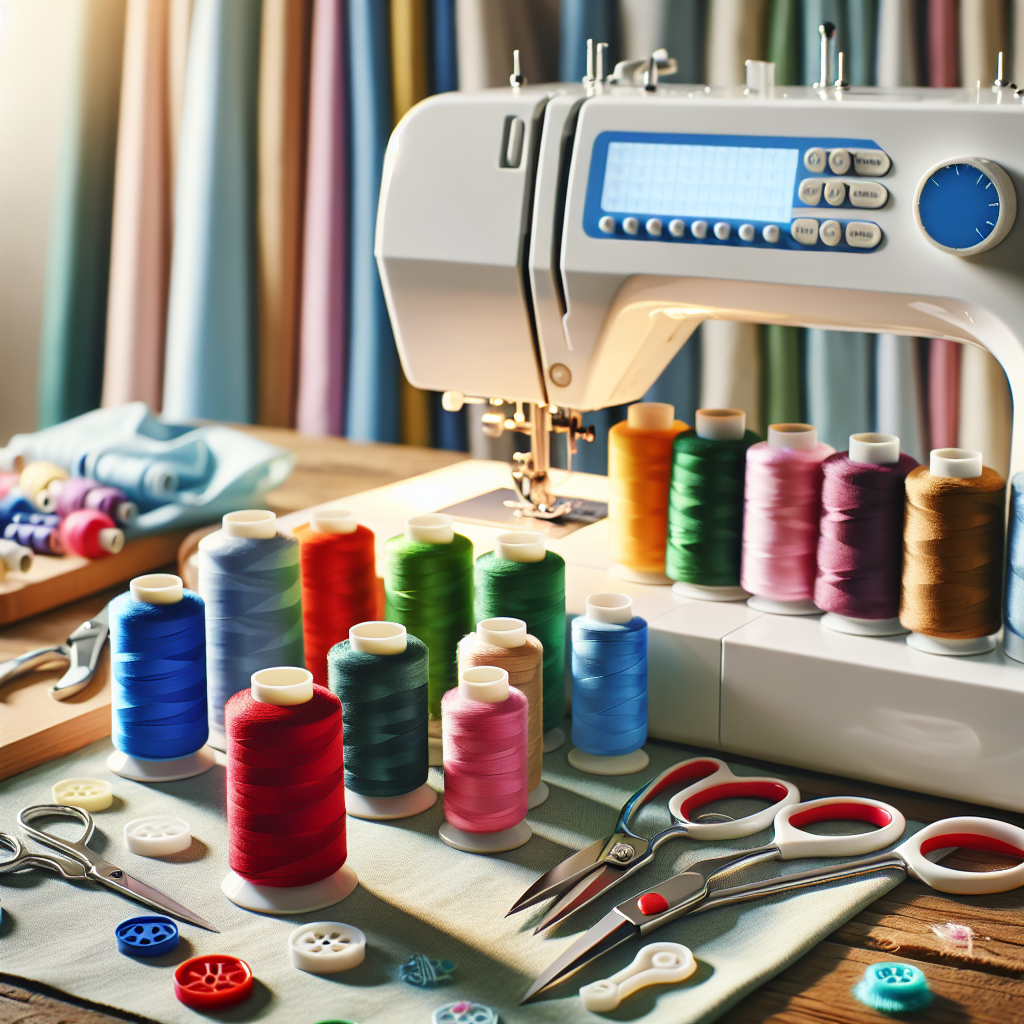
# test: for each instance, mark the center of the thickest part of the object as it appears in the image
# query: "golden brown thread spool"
(639, 469)
(953, 548)
(522, 657)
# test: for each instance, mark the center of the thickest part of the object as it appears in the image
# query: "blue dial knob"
(965, 206)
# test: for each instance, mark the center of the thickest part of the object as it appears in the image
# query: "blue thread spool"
(37, 518)
(249, 579)
(145, 481)
(1013, 607)
(158, 669)
(14, 502)
(609, 687)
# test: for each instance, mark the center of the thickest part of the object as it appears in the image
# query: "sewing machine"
(555, 246)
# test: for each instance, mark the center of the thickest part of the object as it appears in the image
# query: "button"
(810, 191)
(862, 234)
(746, 232)
(831, 232)
(630, 225)
(89, 794)
(871, 161)
(150, 935)
(212, 982)
(868, 195)
(839, 161)
(157, 835)
(653, 227)
(770, 233)
(326, 947)
(677, 228)
(652, 903)
(815, 160)
(722, 231)
(835, 193)
(607, 225)
(805, 230)
(699, 229)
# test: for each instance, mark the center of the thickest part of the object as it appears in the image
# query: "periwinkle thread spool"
(249, 579)
(1013, 609)
(639, 466)
(609, 687)
(860, 549)
(43, 540)
(91, 534)
(705, 512)
(285, 795)
(782, 509)
(380, 676)
(339, 583)
(485, 736)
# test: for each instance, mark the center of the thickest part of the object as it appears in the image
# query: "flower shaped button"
(465, 1013)
(326, 947)
(89, 794)
(157, 835)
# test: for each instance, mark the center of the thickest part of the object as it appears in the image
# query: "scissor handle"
(793, 842)
(77, 849)
(686, 803)
(705, 768)
(972, 834)
(20, 859)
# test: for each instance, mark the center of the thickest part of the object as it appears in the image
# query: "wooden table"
(983, 983)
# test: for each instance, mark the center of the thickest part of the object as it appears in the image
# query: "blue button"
(147, 936)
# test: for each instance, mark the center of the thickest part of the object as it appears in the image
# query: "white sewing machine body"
(539, 245)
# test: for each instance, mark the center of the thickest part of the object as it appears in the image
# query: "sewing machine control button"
(815, 160)
(810, 191)
(722, 231)
(677, 228)
(835, 193)
(805, 230)
(746, 232)
(869, 195)
(607, 225)
(871, 161)
(771, 233)
(862, 234)
(654, 227)
(699, 229)
(630, 225)
(839, 161)
(831, 232)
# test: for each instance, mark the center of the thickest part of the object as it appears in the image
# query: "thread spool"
(90, 533)
(705, 517)
(35, 482)
(15, 556)
(285, 795)
(249, 579)
(37, 518)
(428, 588)
(953, 554)
(1013, 607)
(339, 582)
(485, 788)
(13, 503)
(78, 492)
(639, 466)
(860, 547)
(43, 540)
(146, 481)
(521, 580)
(7, 482)
(158, 671)
(609, 687)
(380, 676)
(504, 643)
(781, 513)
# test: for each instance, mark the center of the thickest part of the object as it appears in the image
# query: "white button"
(839, 161)
(326, 947)
(770, 233)
(677, 228)
(835, 193)
(746, 232)
(871, 161)
(157, 836)
(815, 160)
(654, 227)
(722, 231)
(810, 191)
(868, 195)
(862, 234)
(831, 232)
(607, 225)
(699, 229)
(630, 225)
(805, 230)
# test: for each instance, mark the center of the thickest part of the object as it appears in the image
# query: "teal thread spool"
(520, 580)
(380, 676)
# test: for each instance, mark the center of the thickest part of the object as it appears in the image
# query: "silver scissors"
(84, 863)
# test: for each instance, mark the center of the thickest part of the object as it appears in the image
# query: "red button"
(652, 903)
(213, 982)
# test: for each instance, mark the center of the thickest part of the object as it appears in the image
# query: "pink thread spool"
(484, 731)
(91, 534)
(782, 508)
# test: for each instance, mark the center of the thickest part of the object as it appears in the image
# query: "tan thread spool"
(35, 480)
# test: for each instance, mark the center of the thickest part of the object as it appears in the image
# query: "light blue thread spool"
(1013, 607)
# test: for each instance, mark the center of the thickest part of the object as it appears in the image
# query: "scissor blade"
(561, 877)
(85, 644)
(612, 930)
(136, 890)
(584, 892)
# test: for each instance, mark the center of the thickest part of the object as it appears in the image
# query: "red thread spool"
(339, 583)
(91, 534)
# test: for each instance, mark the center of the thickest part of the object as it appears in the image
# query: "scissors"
(581, 878)
(84, 864)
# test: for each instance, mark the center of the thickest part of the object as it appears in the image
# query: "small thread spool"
(953, 554)
(158, 669)
(860, 549)
(782, 510)
(485, 787)
(14, 503)
(78, 492)
(609, 687)
(249, 579)
(15, 556)
(43, 540)
(146, 481)
(35, 482)
(504, 643)
(380, 676)
(339, 582)
(285, 795)
(1013, 606)
(639, 467)
(91, 534)
(705, 517)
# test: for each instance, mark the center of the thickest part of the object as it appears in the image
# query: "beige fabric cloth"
(735, 34)
(730, 373)
(986, 410)
(982, 36)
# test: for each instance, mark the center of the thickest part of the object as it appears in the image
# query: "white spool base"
(951, 648)
(266, 899)
(386, 808)
(653, 579)
(170, 769)
(485, 842)
(618, 764)
(767, 604)
(863, 627)
(537, 795)
(553, 739)
(1013, 646)
(696, 592)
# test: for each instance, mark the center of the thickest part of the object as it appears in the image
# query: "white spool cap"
(502, 632)
(650, 415)
(111, 539)
(254, 523)
(520, 546)
(282, 686)
(959, 463)
(157, 588)
(721, 424)
(485, 683)
(15, 556)
(433, 528)
(798, 437)
(616, 608)
(378, 637)
(874, 449)
(126, 512)
(333, 520)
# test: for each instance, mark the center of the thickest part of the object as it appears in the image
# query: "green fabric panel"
(782, 400)
(784, 41)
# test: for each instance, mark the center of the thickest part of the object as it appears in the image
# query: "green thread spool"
(428, 588)
(705, 510)
(520, 580)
